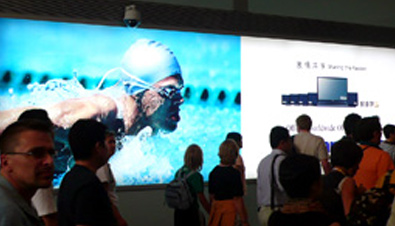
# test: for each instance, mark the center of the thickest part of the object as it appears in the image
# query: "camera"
(132, 16)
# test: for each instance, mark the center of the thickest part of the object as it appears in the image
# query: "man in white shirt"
(310, 144)
(106, 177)
(270, 193)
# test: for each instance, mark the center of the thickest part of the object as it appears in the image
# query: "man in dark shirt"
(82, 200)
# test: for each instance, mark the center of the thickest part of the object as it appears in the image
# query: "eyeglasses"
(37, 153)
(169, 91)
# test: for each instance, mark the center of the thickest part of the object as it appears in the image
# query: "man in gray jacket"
(27, 150)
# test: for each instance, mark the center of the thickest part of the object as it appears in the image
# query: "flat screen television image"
(225, 83)
(160, 91)
(332, 91)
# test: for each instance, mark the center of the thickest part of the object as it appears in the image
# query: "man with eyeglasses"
(27, 151)
(44, 199)
(148, 94)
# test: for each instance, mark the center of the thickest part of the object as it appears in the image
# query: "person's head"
(193, 157)
(389, 132)
(369, 129)
(346, 154)
(152, 75)
(228, 152)
(303, 122)
(110, 142)
(87, 141)
(27, 151)
(349, 124)
(160, 108)
(37, 114)
(280, 139)
(236, 137)
(300, 176)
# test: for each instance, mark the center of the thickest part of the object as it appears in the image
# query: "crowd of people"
(298, 183)
(292, 191)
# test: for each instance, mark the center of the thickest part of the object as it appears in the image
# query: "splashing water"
(142, 159)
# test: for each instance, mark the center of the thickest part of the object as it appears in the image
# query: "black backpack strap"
(273, 182)
(386, 183)
(182, 175)
(293, 149)
(189, 174)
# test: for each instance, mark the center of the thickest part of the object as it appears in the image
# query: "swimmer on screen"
(147, 94)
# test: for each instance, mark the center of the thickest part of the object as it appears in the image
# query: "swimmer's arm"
(66, 113)
(9, 116)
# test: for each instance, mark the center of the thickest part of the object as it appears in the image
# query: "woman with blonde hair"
(193, 162)
(226, 189)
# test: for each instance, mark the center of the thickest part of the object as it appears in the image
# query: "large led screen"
(48, 64)
(119, 76)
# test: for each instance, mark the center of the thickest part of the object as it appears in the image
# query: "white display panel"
(271, 68)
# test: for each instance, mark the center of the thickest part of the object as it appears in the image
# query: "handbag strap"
(273, 182)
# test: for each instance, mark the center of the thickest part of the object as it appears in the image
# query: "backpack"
(372, 208)
(178, 194)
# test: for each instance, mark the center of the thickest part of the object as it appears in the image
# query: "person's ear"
(98, 146)
(283, 144)
(4, 161)
(377, 134)
(102, 144)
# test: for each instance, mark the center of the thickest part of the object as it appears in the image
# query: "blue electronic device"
(352, 99)
(332, 91)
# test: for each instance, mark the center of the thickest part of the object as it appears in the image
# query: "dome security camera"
(132, 16)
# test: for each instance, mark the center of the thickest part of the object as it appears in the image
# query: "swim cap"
(148, 61)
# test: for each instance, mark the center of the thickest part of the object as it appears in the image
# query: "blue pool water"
(55, 54)
(144, 159)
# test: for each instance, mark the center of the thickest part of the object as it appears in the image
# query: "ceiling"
(229, 17)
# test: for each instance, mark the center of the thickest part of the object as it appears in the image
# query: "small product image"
(331, 91)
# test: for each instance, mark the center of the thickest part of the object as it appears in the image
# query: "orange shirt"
(374, 164)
